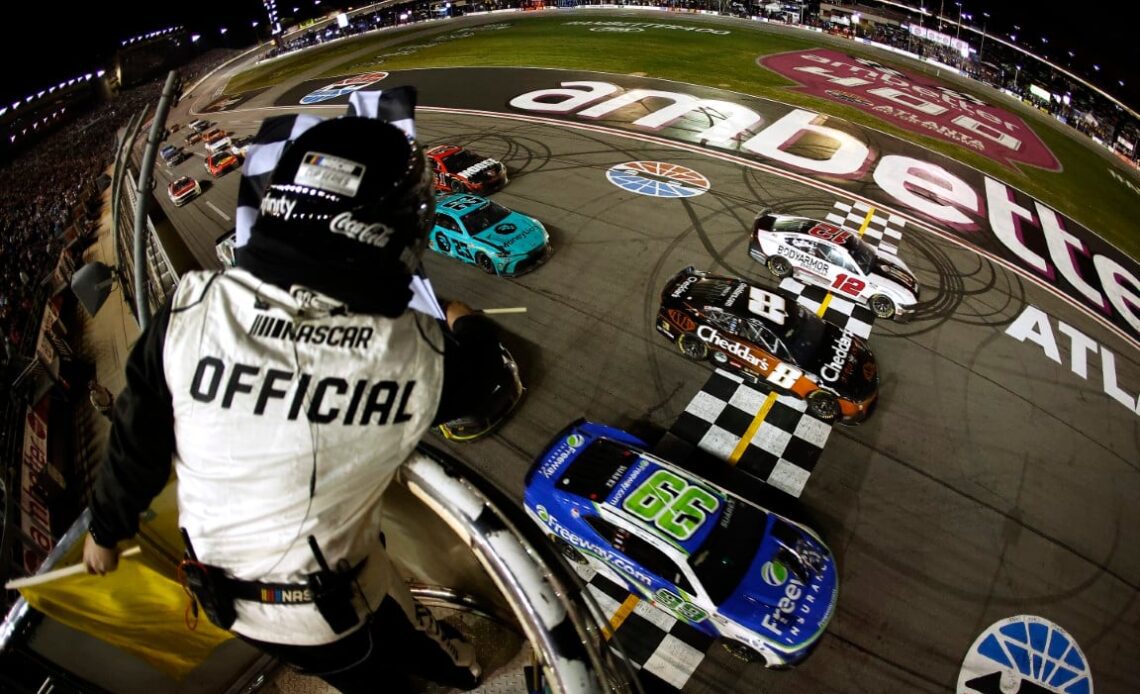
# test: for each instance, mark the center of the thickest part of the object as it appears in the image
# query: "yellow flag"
(135, 608)
(140, 607)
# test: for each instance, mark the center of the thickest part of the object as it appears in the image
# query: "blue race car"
(482, 232)
(764, 583)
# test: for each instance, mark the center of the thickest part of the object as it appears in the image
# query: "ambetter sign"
(916, 103)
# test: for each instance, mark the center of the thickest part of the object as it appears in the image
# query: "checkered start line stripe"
(770, 436)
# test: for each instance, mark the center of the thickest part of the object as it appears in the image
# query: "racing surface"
(992, 480)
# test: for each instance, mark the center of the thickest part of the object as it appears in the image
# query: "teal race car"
(483, 233)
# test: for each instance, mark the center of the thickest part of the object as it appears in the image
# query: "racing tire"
(567, 550)
(742, 652)
(692, 347)
(442, 244)
(823, 405)
(456, 186)
(882, 306)
(484, 263)
(779, 266)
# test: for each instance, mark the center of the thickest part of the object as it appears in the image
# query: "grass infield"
(1083, 190)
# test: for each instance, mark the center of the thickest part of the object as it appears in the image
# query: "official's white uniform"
(323, 406)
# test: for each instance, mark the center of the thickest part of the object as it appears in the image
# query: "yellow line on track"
(823, 306)
(756, 422)
(620, 616)
(867, 220)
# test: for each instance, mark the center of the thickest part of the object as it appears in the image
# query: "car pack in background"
(769, 339)
(765, 584)
(835, 259)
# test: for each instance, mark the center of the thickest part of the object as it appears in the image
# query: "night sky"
(1095, 31)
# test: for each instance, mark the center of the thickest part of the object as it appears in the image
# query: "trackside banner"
(976, 208)
(916, 103)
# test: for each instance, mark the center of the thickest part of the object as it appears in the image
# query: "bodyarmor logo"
(375, 234)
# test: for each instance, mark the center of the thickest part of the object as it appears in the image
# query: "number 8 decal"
(784, 376)
(767, 305)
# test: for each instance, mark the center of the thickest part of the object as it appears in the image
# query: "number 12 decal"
(849, 285)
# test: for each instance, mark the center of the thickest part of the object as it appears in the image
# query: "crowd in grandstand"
(44, 183)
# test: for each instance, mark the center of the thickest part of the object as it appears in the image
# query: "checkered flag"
(396, 106)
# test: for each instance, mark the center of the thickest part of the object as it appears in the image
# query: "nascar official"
(286, 392)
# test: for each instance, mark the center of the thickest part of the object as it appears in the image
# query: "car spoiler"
(553, 442)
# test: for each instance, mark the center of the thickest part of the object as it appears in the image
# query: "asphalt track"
(992, 481)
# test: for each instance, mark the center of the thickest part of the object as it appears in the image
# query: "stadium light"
(223, 31)
(3, 110)
(194, 38)
(100, 73)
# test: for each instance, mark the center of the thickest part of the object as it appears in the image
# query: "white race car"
(183, 190)
(827, 256)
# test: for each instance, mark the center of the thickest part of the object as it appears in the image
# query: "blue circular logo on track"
(1025, 654)
(658, 179)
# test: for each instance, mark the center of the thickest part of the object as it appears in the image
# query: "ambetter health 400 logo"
(915, 102)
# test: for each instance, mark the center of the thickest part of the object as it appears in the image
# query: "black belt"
(276, 593)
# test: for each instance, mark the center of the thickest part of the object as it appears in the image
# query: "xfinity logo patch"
(326, 172)
(374, 234)
(278, 207)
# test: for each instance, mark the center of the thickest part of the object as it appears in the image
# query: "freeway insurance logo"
(658, 179)
(1025, 655)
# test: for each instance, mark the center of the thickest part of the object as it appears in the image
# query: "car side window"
(838, 256)
(641, 552)
(446, 222)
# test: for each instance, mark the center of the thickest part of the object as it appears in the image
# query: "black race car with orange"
(770, 340)
(460, 170)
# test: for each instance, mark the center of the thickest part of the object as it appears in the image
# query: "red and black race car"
(461, 171)
(771, 340)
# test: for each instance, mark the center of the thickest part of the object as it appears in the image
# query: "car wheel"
(882, 306)
(823, 405)
(484, 263)
(779, 266)
(442, 244)
(692, 347)
(742, 652)
(567, 550)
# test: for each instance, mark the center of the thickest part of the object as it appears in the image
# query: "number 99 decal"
(680, 607)
(677, 508)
